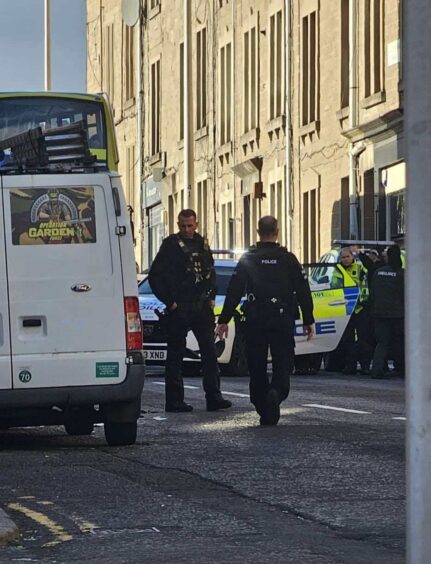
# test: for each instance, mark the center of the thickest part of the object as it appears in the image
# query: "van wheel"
(120, 433)
(76, 427)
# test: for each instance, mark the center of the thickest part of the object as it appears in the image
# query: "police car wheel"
(74, 427)
(120, 433)
(334, 361)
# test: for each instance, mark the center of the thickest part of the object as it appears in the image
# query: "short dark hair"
(394, 257)
(187, 213)
(267, 225)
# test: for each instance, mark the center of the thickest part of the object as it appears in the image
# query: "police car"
(332, 310)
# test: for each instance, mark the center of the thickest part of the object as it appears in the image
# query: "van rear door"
(5, 358)
(66, 288)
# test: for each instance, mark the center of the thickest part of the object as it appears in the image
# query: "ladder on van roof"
(38, 149)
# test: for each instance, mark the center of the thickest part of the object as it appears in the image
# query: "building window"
(251, 77)
(129, 85)
(276, 207)
(225, 94)
(373, 44)
(130, 175)
(276, 65)
(309, 66)
(368, 205)
(310, 226)
(201, 79)
(345, 209)
(181, 96)
(202, 205)
(155, 107)
(108, 60)
(345, 53)
(227, 226)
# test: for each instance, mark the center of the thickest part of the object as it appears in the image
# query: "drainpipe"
(188, 109)
(353, 117)
(139, 59)
(288, 135)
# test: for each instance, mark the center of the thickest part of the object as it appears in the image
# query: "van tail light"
(133, 324)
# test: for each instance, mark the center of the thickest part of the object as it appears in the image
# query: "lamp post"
(47, 45)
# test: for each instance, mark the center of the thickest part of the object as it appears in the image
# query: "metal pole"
(353, 111)
(288, 139)
(417, 65)
(188, 117)
(47, 45)
(139, 59)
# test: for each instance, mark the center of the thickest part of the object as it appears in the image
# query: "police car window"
(324, 278)
(145, 288)
(223, 276)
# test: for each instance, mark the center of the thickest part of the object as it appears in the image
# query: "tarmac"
(8, 529)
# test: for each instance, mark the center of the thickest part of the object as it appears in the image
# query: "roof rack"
(36, 148)
(363, 243)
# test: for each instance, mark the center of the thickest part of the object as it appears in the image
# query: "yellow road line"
(56, 529)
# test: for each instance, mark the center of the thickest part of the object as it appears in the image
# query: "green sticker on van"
(107, 369)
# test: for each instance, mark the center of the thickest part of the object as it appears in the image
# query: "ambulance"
(70, 329)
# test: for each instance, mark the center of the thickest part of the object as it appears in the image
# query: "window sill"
(250, 137)
(129, 103)
(275, 123)
(201, 133)
(310, 128)
(153, 12)
(224, 149)
(373, 100)
(343, 113)
(156, 158)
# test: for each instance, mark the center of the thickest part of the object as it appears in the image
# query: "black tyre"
(76, 427)
(334, 361)
(120, 433)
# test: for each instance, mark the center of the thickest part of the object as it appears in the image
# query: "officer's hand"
(222, 331)
(173, 307)
(309, 331)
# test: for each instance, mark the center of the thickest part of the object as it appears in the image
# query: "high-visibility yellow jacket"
(356, 273)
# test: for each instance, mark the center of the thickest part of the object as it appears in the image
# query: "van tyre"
(76, 427)
(120, 433)
(237, 366)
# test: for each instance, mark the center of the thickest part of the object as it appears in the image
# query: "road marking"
(55, 528)
(234, 394)
(400, 418)
(197, 388)
(319, 406)
(160, 418)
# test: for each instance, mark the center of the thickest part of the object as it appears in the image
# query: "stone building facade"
(240, 154)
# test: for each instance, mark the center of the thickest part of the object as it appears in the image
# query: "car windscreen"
(223, 276)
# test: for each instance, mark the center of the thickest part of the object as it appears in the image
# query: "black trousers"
(389, 335)
(356, 340)
(274, 334)
(199, 317)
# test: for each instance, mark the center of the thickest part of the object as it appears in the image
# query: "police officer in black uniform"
(182, 276)
(273, 282)
(387, 311)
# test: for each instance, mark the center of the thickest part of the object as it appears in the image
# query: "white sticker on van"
(48, 216)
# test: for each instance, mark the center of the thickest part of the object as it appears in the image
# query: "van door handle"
(337, 302)
(81, 288)
(32, 323)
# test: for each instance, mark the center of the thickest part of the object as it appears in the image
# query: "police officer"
(182, 276)
(355, 339)
(273, 282)
(387, 311)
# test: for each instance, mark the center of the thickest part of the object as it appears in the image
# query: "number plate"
(155, 354)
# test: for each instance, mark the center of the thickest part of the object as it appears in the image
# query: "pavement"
(8, 529)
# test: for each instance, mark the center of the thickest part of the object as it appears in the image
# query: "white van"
(70, 330)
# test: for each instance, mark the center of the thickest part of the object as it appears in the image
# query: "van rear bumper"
(128, 390)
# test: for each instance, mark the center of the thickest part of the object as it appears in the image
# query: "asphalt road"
(324, 486)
